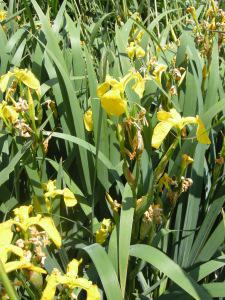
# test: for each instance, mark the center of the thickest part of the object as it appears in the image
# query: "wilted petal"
(9, 113)
(160, 132)
(48, 225)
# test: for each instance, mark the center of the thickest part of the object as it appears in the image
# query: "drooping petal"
(160, 132)
(69, 198)
(5, 249)
(202, 135)
(4, 80)
(139, 85)
(113, 103)
(28, 78)
(88, 120)
(6, 233)
(159, 69)
(93, 293)
(187, 120)
(20, 264)
(48, 225)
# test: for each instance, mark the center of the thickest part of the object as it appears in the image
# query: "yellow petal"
(88, 120)
(6, 233)
(159, 69)
(69, 198)
(3, 15)
(72, 267)
(22, 213)
(113, 103)
(9, 113)
(103, 232)
(50, 289)
(187, 120)
(93, 293)
(102, 89)
(49, 186)
(159, 133)
(202, 135)
(28, 78)
(48, 225)
(139, 85)
(80, 282)
(131, 50)
(16, 265)
(5, 249)
(163, 115)
(4, 80)
(140, 52)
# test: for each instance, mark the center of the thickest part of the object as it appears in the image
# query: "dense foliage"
(112, 149)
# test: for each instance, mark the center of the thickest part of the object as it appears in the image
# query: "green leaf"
(167, 266)
(105, 271)
(125, 229)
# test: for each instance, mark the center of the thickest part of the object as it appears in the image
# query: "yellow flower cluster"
(19, 115)
(173, 119)
(51, 192)
(71, 281)
(23, 221)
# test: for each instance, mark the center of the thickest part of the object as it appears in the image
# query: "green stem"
(7, 284)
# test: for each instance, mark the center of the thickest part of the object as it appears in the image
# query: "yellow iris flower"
(51, 192)
(173, 119)
(23, 221)
(111, 92)
(22, 75)
(70, 280)
(88, 120)
(104, 231)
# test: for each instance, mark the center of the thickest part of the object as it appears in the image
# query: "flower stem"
(4, 279)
